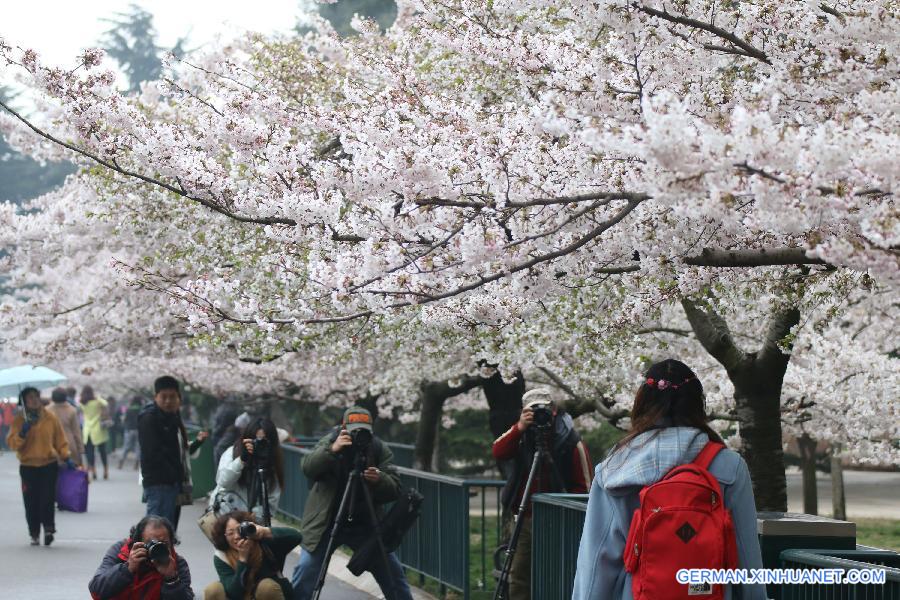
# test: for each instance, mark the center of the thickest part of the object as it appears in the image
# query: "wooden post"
(838, 500)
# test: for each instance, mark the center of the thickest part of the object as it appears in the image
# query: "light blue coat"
(614, 497)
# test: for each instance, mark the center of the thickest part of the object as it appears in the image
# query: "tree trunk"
(807, 446)
(504, 407)
(432, 395)
(838, 500)
(757, 379)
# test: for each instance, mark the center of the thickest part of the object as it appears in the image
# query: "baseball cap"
(538, 396)
(357, 417)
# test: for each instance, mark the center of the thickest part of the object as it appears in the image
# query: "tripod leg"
(332, 539)
(554, 470)
(264, 497)
(503, 581)
(389, 594)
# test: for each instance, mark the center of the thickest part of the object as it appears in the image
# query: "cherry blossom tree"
(483, 164)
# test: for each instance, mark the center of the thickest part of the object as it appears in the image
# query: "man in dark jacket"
(162, 469)
(131, 569)
(573, 467)
(329, 466)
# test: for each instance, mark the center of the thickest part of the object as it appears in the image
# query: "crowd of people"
(670, 439)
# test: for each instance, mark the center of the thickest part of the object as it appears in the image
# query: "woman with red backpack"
(669, 496)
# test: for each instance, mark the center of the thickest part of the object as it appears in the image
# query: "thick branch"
(762, 257)
(713, 333)
(747, 48)
(781, 322)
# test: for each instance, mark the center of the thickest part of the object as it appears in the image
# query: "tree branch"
(762, 257)
(714, 335)
(750, 50)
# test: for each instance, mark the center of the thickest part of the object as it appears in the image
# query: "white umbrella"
(16, 379)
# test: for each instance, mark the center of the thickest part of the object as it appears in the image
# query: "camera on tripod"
(543, 416)
(362, 439)
(262, 450)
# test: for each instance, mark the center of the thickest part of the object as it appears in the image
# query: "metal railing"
(862, 558)
(440, 544)
(404, 454)
(557, 523)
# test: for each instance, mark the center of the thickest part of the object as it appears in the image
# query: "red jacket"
(580, 471)
(113, 580)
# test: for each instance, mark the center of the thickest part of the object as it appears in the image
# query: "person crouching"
(250, 559)
(144, 565)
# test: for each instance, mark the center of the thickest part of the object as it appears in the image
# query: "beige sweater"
(68, 418)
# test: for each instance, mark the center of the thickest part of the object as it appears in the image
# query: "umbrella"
(14, 380)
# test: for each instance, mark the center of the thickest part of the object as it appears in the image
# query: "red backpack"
(682, 523)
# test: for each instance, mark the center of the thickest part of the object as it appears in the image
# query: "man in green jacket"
(329, 466)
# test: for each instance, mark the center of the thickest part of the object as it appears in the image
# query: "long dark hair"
(276, 472)
(674, 398)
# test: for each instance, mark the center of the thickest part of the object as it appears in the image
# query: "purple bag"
(72, 490)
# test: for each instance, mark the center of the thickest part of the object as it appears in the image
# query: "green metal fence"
(440, 545)
(863, 558)
(557, 523)
(404, 454)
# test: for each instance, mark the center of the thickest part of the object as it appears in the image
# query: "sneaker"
(35, 542)
(48, 538)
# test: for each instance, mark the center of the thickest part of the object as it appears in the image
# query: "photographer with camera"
(237, 478)
(351, 449)
(144, 565)
(250, 559)
(567, 469)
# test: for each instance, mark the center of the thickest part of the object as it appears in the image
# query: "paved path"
(62, 571)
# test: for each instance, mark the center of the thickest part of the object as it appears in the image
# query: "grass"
(880, 533)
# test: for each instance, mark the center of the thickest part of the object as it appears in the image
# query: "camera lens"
(246, 530)
(157, 551)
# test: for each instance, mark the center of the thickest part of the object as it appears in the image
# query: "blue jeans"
(307, 571)
(162, 501)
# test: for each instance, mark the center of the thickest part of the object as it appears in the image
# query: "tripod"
(355, 482)
(541, 455)
(261, 492)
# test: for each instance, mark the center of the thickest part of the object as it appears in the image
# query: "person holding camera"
(540, 422)
(250, 559)
(143, 565)
(350, 445)
(237, 478)
(40, 444)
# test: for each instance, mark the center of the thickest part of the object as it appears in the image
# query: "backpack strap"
(707, 454)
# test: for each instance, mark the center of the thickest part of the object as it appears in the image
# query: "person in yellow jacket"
(40, 442)
(96, 429)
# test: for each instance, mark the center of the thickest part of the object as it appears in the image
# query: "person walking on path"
(165, 451)
(130, 425)
(96, 432)
(40, 443)
(68, 418)
(7, 414)
(669, 427)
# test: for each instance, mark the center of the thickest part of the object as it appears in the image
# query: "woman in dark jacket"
(250, 566)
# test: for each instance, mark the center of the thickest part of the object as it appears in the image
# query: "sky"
(59, 29)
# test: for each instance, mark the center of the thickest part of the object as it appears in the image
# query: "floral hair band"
(665, 384)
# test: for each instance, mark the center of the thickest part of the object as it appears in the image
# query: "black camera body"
(362, 438)
(157, 551)
(262, 450)
(246, 530)
(543, 416)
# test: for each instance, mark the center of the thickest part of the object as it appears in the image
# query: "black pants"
(89, 450)
(39, 495)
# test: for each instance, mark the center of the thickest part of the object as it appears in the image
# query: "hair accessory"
(665, 384)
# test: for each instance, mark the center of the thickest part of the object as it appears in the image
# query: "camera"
(361, 437)
(246, 530)
(157, 551)
(543, 416)
(261, 450)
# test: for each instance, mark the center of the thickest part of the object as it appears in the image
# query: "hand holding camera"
(372, 475)
(343, 441)
(525, 419)
(154, 551)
